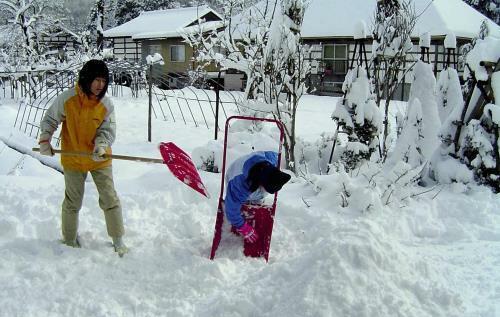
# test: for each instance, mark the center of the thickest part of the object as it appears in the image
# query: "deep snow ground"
(437, 256)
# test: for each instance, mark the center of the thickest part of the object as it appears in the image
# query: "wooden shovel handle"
(111, 156)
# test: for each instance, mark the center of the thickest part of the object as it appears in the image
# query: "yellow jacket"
(85, 122)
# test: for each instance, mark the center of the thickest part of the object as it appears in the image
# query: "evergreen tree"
(96, 23)
(151, 5)
(27, 22)
(490, 8)
(127, 10)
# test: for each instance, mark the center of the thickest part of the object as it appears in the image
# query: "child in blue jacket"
(249, 179)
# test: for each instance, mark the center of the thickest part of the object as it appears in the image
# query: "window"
(336, 58)
(177, 53)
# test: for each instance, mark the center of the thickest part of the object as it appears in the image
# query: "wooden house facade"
(161, 32)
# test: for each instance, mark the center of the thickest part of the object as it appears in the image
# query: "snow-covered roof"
(339, 18)
(163, 23)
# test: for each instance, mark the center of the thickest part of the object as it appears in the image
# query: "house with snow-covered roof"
(329, 26)
(160, 32)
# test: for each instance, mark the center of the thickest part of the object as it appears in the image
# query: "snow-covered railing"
(177, 97)
(40, 89)
(172, 96)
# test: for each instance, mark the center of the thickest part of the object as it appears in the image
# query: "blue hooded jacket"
(238, 187)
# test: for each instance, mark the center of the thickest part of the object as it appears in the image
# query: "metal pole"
(150, 84)
(217, 101)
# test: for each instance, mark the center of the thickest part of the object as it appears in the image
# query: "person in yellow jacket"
(88, 125)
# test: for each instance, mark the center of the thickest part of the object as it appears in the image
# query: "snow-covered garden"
(393, 208)
(434, 253)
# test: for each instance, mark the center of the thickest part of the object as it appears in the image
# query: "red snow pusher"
(177, 161)
(260, 217)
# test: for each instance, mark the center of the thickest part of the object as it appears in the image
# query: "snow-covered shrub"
(479, 141)
(209, 157)
(449, 93)
(357, 114)
(408, 144)
(369, 187)
(443, 168)
(424, 88)
(394, 24)
(470, 134)
(312, 158)
(480, 146)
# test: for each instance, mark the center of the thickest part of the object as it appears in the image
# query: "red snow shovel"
(177, 161)
(181, 165)
(260, 217)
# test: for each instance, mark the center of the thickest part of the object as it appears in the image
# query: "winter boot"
(119, 246)
(72, 243)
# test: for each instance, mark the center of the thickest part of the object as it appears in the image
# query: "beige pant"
(108, 201)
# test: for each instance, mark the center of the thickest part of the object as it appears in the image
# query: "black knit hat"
(272, 179)
(91, 70)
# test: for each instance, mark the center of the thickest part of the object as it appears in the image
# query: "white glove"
(46, 148)
(99, 152)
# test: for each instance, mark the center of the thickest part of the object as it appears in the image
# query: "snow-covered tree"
(480, 146)
(394, 23)
(470, 135)
(240, 46)
(285, 70)
(263, 42)
(358, 115)
(29, 19)
(96, 23)
(126, 10)
(490, 8)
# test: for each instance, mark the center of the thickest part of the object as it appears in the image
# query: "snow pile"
(485, 50)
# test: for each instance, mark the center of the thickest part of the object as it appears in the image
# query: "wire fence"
(171, 97)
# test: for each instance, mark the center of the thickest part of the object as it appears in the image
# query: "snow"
(361, 31)
(437, 254)
(408, 144)
(161, 23)
(425, 40)
(339, 18)
(424, 88)
(450, 41)
(449, 93)
(494, 112)
(155, 59)
(485, 50)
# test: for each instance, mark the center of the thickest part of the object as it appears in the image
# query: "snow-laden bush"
(444, 168)
(471, 133)
(313, 157)
(408, 146)
(449, 93)
(369, 186)
(357, 115)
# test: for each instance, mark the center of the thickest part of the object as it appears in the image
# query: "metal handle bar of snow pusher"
(110, 156)
(282, 137)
